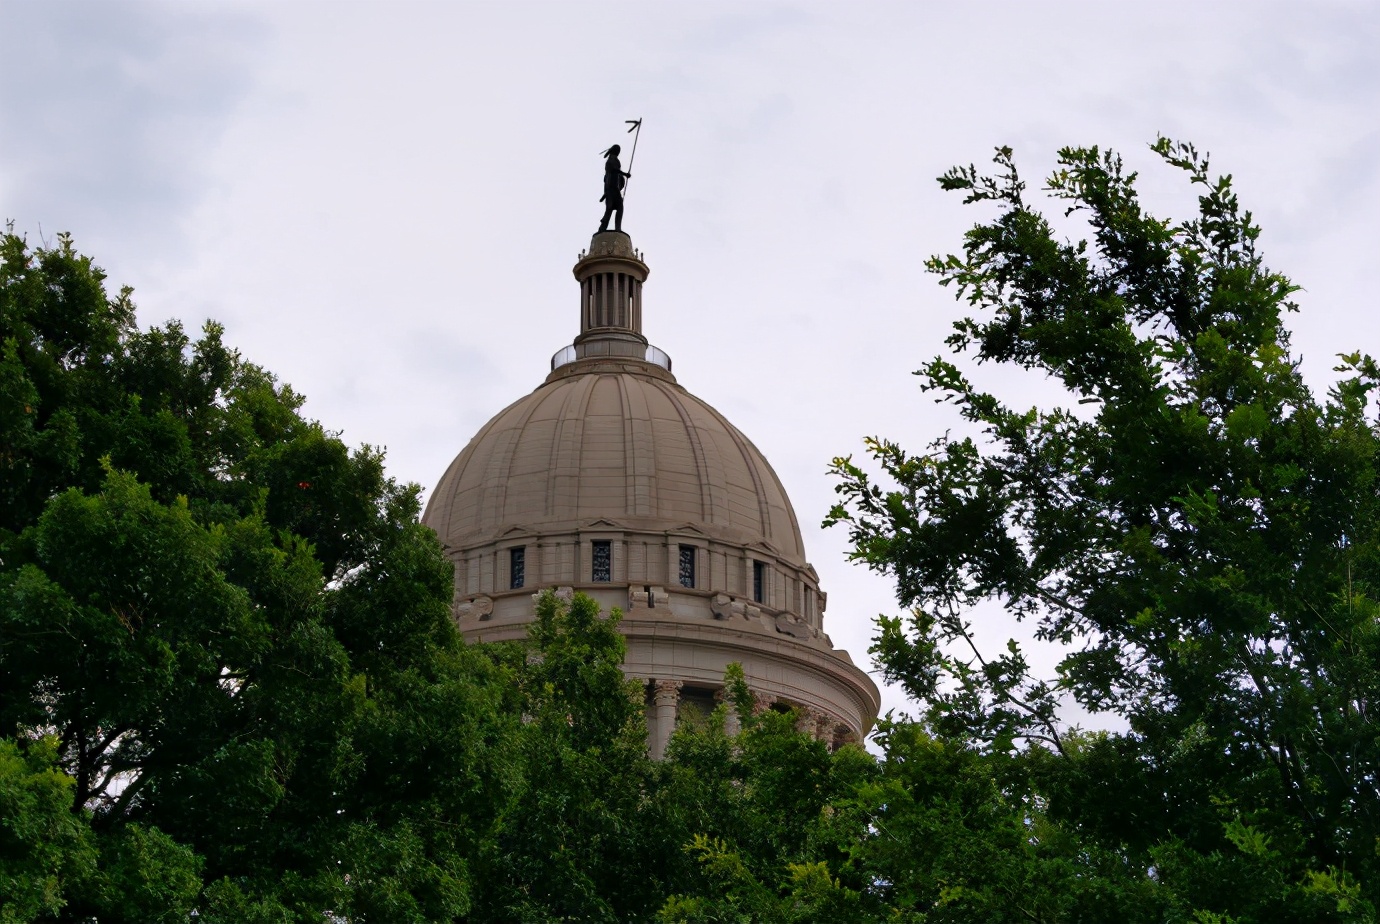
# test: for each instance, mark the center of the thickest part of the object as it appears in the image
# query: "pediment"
(687, 529)
(764, 546)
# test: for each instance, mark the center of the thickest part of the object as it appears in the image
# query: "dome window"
(759, 574)
(687, 566)
(517, 567)
(602, 562)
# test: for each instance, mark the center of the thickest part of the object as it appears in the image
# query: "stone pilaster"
(667, 699)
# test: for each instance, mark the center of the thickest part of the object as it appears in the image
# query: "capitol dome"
(611, 440)
(612, 479)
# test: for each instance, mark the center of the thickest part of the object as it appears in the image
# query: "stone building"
(612, 479)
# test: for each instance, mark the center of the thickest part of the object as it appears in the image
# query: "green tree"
(769, 820)
(958, 833)
(578, 838)
(232, 626)
(44, 847)
(1196, 529)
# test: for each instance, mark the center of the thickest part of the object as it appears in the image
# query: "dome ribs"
(441, 506)
(493, 503)
(784, 506)
(602, 469)
(748, 451)
(563, 476)
(709, 503)
(639, 447)
(615, 442)
(526, 500)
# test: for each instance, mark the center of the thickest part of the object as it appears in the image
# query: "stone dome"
(613, 480)
(615, 441)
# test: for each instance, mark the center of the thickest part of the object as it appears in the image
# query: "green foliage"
(44, 847)
(1196, 529)
(964, 834)
(810, 893)
(144, 876)
(770, 820)
(232, 629)
(578, 838)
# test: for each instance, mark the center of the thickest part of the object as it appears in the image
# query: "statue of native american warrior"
(614, 180)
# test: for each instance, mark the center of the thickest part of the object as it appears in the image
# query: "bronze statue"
(614, 181)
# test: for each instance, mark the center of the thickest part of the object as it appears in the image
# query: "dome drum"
(683, 574)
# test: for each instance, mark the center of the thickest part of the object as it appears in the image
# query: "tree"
(44, 848)
(579, 837)
(230, 626)
(769, 819)
(1196, 528)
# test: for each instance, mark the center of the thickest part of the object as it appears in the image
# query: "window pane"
(603, 562)
(758, 570)
(517, 567)
(687, 566)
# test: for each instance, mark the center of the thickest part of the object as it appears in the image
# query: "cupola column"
(611, 275)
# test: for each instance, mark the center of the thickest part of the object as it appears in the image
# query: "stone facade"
(613, 480)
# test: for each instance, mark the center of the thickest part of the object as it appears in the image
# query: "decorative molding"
(697, 651)
(657, 600)
(792, 625)
(726, 606)
(678, 531)
(480, 608)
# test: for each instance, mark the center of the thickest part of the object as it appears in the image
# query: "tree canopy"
(229, 629)
(1194, 528)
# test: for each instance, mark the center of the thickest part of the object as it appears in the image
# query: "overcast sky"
(382, 201)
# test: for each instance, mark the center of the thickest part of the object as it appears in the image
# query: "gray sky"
(382, 201)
